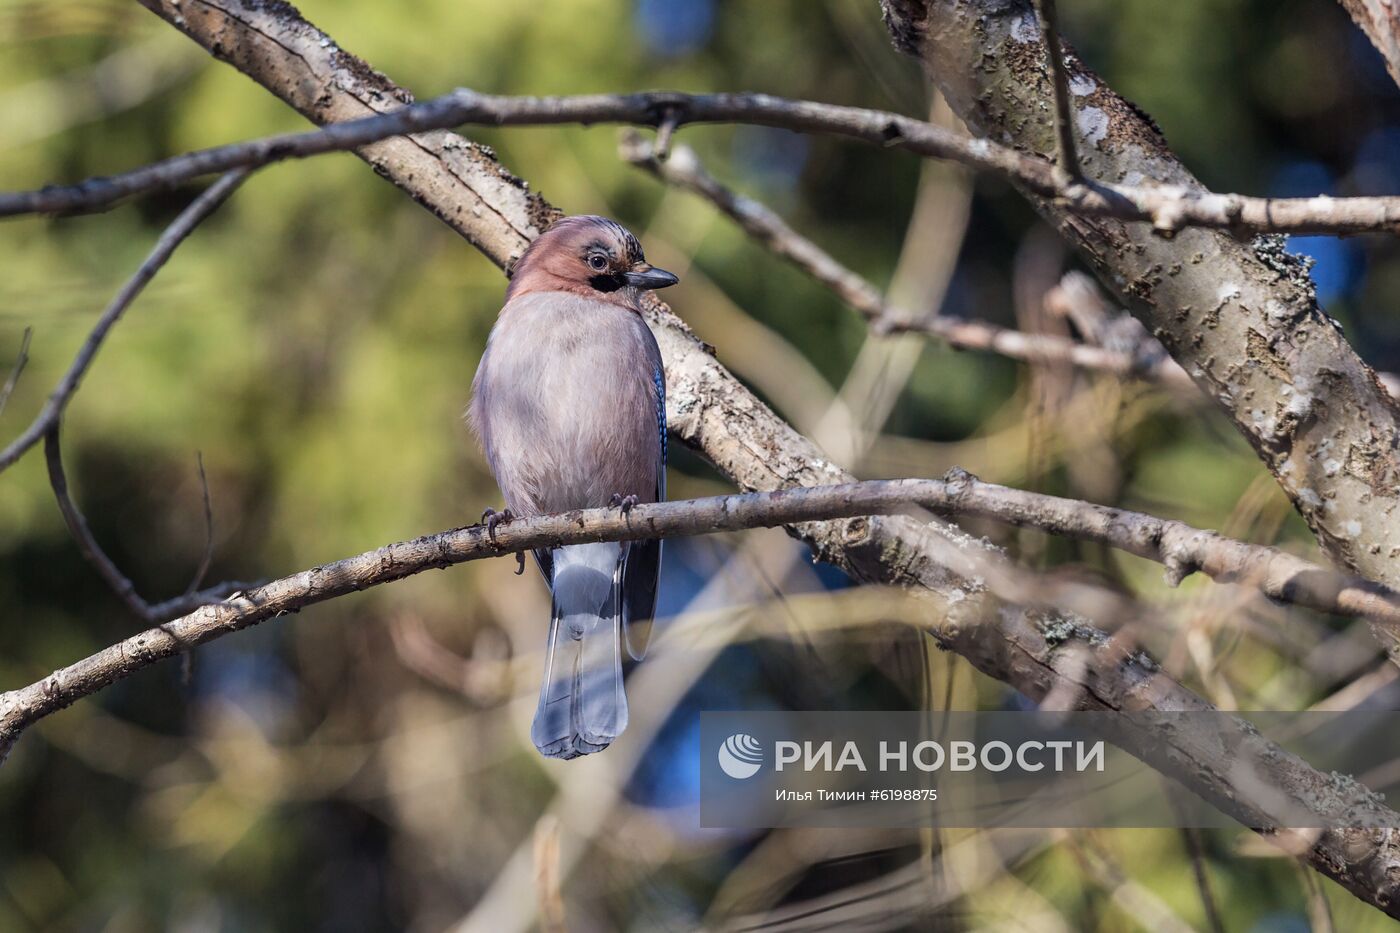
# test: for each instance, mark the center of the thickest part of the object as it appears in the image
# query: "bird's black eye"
(598, 262)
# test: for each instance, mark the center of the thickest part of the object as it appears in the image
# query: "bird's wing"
(641, 568)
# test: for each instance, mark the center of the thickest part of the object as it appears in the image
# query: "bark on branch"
(1039, 653)
(1241, 318)
(1181, 548)
(1167, 208)
(1380, 20)
(21, 708)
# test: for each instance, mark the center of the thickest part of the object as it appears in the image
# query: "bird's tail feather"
(583, 707)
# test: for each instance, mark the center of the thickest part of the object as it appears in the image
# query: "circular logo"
(740, 756)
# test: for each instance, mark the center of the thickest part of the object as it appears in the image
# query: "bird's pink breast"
(565, 403)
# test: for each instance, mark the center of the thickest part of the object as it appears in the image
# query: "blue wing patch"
(658, 378)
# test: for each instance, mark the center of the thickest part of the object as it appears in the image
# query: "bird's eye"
(598, 262)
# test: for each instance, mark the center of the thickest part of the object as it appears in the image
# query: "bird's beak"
(648, 276)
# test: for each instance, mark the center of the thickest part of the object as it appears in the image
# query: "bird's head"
(587, 255)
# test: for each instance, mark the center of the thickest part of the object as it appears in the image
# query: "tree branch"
(183, 225)
(78, 528)
(21, 708)
(21, 359)
(1181, 548)
(120, 584)
(1380, 20)
(1241, 318)
(683, 170)
(1168, 209)
(1147, 360)
(207, 558)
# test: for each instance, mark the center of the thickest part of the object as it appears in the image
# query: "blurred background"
(365, 765)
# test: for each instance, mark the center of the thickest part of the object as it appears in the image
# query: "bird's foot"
(493, 519)
(519, 562)
(625, 503)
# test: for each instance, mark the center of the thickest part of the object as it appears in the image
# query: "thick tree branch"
(1241, 318)
(1041, 654)
(21, 708)
(1181, 548)
(1380, 20)
(183, 225)
(1168, 208)
(683, 169)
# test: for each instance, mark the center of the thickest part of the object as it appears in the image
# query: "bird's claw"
(519, 562)
(625, 503)
(493, 519)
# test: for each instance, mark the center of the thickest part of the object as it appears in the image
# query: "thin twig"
(1067, 158)
(87, 544)
(1319, 911)
(665, 132)
(186, 603)
(1168, 208)
(20, 361)
(187, 658)
(1196, 852)
(1137, 901)
(174, 235)
(208, 557)
(482, 683)
(684, 170)
(547, 880)
(1145, 359)
(150, 613)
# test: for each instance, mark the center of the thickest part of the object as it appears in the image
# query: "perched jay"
(569, 404)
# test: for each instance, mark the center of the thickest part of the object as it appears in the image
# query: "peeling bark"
(1241, 318)
(1036, 652)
